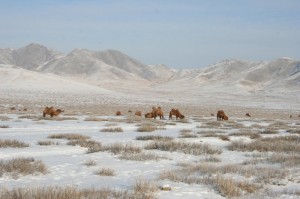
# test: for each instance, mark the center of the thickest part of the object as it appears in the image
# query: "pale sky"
(178, 33)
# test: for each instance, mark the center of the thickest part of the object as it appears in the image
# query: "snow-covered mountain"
(112, 69)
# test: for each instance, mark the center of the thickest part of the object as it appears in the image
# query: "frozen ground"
(66, 164)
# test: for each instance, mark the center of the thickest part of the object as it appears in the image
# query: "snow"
(66, 164)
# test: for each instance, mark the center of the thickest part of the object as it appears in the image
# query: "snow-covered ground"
(66, 164)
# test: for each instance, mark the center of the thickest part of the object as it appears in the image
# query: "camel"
(248, 115)
(12, 108)
(176, 113)
(138, 113)
(157, 112)
(118, 113)
(149, 115)
(51, 111)
(221, 115)
(129, 111)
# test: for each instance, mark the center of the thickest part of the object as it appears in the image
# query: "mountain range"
(116, 71)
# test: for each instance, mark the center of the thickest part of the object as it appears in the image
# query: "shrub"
(68, 136)
(154, 137)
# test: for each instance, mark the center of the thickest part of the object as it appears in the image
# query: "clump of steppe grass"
(21, 166)
(12, 144)
(68, 136)
(105, 172)
(46, 143)
(250, 134)
(269, 131)
(112, 130)
(287, 144)
(185, 147)
(145, 189)
(118, 148)
(90, 163)
(292, 160)
(4, 126)
(154, 137)
(187, 134)
(67, 193)
(92, 145)
(143, 156)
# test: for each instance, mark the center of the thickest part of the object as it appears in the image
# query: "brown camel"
(176, 113)
(149, 115)
(157, 112)
(51, 111)
(221, 115)
(248, 115)
(138, 113)
(118, 113)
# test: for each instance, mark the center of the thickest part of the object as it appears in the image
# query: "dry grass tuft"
(22, 166)
(144, 189)
(90, 163)
(46, 143)
(154, 137)
(251, 135)
(67, 193)
(146, 128)
(112, 130)
(143, 156)
(185, 147)
(287, 144)
(68, 136)
(105, 172)
(4, 118)
(118, 148)
(93, 146)
(12, 144)
(4, 126)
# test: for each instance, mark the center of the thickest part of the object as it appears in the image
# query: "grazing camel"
(51, 111)
(221, 115)
(129, 111)
(157, 112)
(248, 115)
(149, 115)
(118, 113)
(176, 113)
(12, 108)
(138, 113)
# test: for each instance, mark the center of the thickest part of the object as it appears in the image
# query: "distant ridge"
(113, 69)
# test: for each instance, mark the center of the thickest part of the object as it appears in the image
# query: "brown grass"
(22, 166)
(143, 156)
(4, 126)
(91, 145)
(67, 193)
(250, 134)
(105, 172)
(185, 147)
(46, 143)
(68, 136)
(118, 148)
(12, 144)
(112, 130)
(287, 144)
(154, 137)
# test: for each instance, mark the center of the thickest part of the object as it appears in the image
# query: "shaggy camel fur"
(221, 115)
(248, 115)
(149, 115)
(176, 113)
(157, 112)
(51, 111)
(138, 113)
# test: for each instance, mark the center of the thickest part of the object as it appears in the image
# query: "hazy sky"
(178, 33)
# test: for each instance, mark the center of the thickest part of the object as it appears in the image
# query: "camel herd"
(156, 112)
